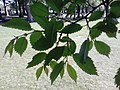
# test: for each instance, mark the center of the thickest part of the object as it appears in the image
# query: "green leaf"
(71, 28)
(37, 59)
(56, 5)
(46, 70)
(41, 44)
(88, 67)
(112, 35)
(107, 27)
(55, 53)
(10, 47)
(56, 71)
(42, 21)
(90, 45)
(117, 78)
(115, 9)
(62, 72)
(39, 72)
(96, 15)
(51, 32)
(102, 48)
(39, 9)
(72, 72)
(65, 39)
(60, 25)
(21, 45)
(71, 8)
(53, 64)
(72, 46)
(18, 23)
(35, 36)
(95, 33)
(84, 50)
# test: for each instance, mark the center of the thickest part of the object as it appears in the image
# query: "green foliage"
(71, 8)
(96, 15)
(95, 33)
(115, 9)
(37, 59)
(72, 72)
(102, 48)
(39, 72)
(21, 45)
(88, 67)
(56, 71)
(10, 47)
(39, 9)
(18, 23)
(117, 78)
(84, 50)
(54, 35)
(35, 36)
(55, 54)
(71, 28)
(46, 70)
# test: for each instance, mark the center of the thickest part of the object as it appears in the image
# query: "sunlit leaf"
(72, 73)
(39, 72)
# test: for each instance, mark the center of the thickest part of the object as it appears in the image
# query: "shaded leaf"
(37, 59)
(115, 9)
(71, 8)
(39, 9)
(41, 44)
(95, 33)
(88, 67)
(72, 72)
(117, 78)
(96, 15)
(21, 45)
(51, 32)
(71, 28)
(18, 23)
(55, 53)
(56, 71)
(112, 35)
(84, 50)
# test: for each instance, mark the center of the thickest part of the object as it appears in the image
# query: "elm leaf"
(102, 48)
(72, 73)
(37, 59)
(56, 71)
(87, 67)
(39, 72)
(21, 45)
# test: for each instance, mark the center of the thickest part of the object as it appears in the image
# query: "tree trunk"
(29, 16)
(4, 7)
(16, 7)
(20, 8)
